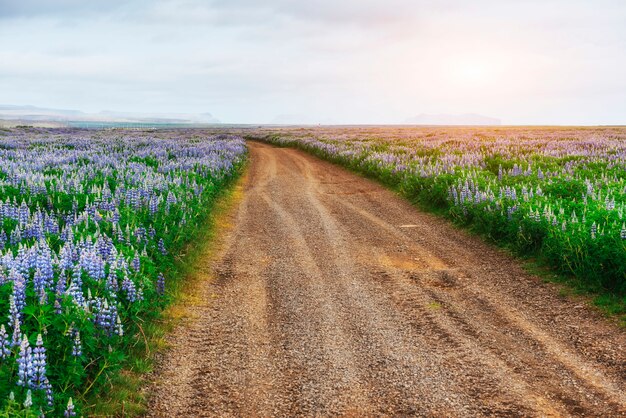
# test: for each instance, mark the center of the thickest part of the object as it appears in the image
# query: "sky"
(320, 61)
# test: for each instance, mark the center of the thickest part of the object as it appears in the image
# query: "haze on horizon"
(351, 61)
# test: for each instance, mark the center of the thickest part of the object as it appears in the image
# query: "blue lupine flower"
(39, 364)
(39, 281)
(69, 410)
(44, 262)
(129, 287)
(160, 287)
(5, 344)
(58, 309)
(16, 337)
(16, 236)
(111, 283)
(136, 263)
(26, 368)
(19, 291)
(76, 293)
(14, 312)
(119, 330)
(162, 248)
(77, 345)
(48, 389)
(104, 315)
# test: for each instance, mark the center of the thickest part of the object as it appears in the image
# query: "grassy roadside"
(124, 393)
(609, 304)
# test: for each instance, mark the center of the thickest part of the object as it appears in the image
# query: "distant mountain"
(23, 112)
(443, 119)
(158, 117)
(33, 113)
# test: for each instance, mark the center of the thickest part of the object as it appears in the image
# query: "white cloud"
(366, 61)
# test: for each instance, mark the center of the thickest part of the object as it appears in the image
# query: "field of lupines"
(555, 193)
(90, 223)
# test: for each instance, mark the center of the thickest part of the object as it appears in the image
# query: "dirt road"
(335, 297)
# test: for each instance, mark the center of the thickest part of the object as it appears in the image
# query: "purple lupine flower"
(136, 263)
(19, 291)
(48, 389)
(39, 364)
(58, 309)
(61, 286)
(115, 218)
(43, 297)
(153, 206)
(111, 283)
(104, 315)
(75, 289)
(76, 293)
(623, 232)
(65, 256)
(39, 282)
(119, 330)
(44, 260)
(26, 368)
(160, 287)
(16, 337)
(120, 234)
(5, 344)
(69, 410)
(3, 239)
(129, 287)
(77, 345)
(16, 236)
(140, 234)
(14, 312)
(162, 248)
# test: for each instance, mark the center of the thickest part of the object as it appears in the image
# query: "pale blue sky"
(351, 61)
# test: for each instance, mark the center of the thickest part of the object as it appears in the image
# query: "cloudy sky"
(341, 61)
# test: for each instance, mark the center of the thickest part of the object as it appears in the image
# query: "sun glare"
(471, 72)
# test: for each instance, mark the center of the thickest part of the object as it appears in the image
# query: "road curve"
(335, 297)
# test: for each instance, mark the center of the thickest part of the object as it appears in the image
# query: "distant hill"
(443, 119)
(33, 113)
(158, 117)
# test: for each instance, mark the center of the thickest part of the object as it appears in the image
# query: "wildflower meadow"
(90, 224)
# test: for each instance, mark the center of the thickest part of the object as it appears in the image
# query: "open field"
(90, 225)
(335, 297)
